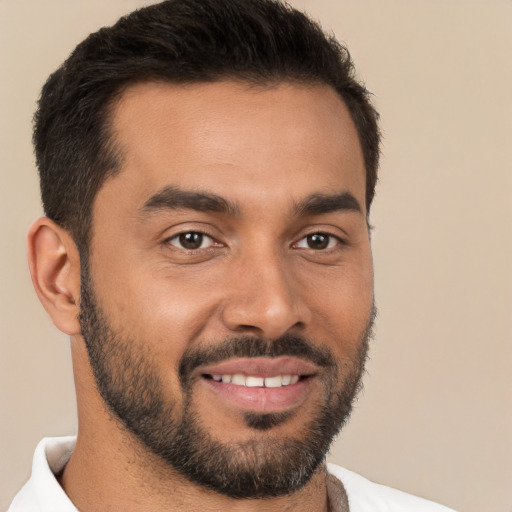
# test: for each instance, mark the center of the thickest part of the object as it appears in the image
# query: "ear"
(54, 263)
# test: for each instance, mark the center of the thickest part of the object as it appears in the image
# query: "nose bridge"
(264, 298)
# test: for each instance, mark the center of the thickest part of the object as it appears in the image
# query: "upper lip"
(261, 367)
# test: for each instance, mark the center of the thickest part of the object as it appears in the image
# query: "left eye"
(191, 240)
(317, 241)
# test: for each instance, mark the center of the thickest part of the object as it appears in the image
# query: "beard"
(262, 466)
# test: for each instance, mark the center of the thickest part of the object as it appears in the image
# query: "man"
(207, 169)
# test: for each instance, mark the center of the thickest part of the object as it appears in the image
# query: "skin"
(265, 150)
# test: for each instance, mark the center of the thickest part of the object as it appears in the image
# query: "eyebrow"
(317, 204)
(174, 198)
(177, 199)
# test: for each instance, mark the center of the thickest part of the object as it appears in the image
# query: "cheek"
(165, 315)
(164, 310)
(342, 307)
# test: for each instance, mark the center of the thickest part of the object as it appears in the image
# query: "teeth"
(274, 382)
(286, 379)
(254, 382)
(240, 379)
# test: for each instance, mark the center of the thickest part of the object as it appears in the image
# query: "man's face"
(228, 299)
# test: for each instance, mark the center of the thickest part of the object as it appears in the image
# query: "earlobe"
(54, 264)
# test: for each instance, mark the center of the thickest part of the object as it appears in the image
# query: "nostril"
(265, 312)
(249, 329)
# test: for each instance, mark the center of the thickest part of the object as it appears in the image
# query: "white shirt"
(42, 493)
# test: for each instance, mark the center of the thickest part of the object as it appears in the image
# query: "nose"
(264, 299)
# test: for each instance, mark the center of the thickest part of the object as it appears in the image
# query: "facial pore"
(262, 466)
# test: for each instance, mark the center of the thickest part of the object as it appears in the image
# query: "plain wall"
(435, 418)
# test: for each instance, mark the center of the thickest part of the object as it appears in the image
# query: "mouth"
(252, 381)
(260, 385)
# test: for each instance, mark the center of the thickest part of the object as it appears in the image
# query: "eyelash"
(332, 241)
(331, 238)
(191, 232)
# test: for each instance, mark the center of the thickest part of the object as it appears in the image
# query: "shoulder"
(366, 496)
(42, 492)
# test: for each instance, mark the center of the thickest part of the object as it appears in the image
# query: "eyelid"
(173, 232)
(204, 235)
(337, 240)
(333, 230)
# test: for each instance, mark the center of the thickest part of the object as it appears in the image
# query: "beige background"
(436, 415)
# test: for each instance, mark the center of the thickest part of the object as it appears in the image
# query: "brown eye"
(191, 241)
(317, 241)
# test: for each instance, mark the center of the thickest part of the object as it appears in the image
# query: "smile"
(261, 385)
(239, 379)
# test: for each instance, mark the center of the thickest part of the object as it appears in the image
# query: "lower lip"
(261, 399)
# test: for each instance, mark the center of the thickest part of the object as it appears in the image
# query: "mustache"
(250, 347)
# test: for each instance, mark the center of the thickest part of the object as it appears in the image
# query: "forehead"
(250, 143)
